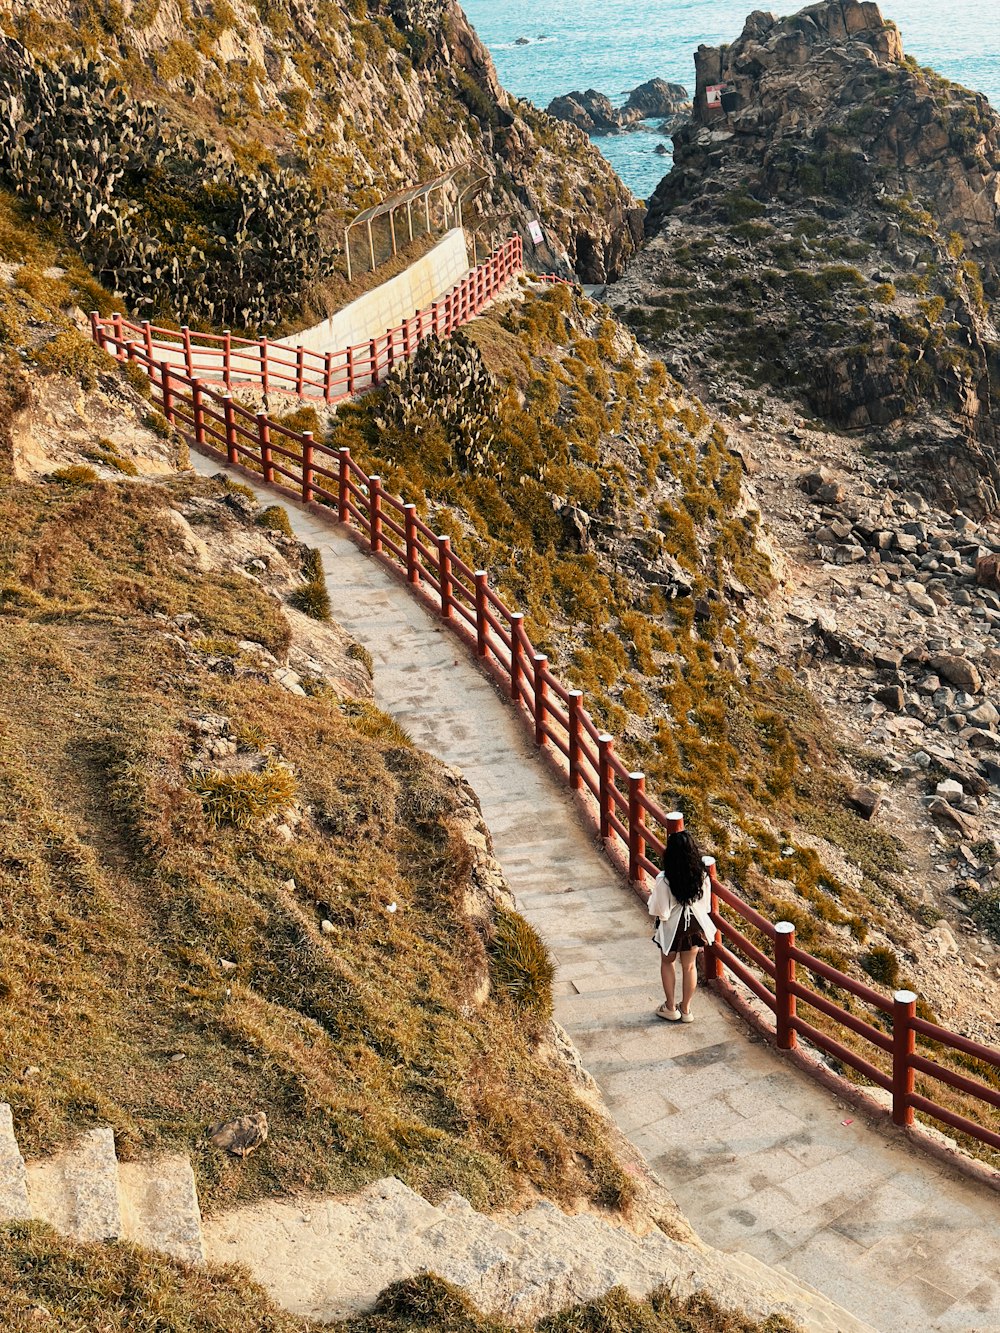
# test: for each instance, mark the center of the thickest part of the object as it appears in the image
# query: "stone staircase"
(330, 1257)
(327, 1258)
(85, 1193)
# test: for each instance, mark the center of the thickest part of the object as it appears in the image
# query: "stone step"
(14, 1203)
(329, 1258)
(76, 1192)
(159, 1207)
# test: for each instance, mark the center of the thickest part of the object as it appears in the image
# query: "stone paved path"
(758, 1157)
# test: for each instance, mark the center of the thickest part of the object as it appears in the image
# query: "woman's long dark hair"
(682, 867)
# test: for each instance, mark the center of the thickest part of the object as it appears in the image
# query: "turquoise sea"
(613, 45)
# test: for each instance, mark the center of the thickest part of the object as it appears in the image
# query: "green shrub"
(882, 966)
(79, 474)
(275, 517)
(244, 799)
(521, 966)
(312, 599)
(359, 653)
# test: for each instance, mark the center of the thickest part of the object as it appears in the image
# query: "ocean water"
(613, 45)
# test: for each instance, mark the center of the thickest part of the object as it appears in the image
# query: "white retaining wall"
(386, 307)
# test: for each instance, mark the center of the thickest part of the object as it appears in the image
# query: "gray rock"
(949, 790)
(919, 600)
(14, 1205)
(985, 715)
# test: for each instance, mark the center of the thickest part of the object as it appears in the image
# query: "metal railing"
(221, 358)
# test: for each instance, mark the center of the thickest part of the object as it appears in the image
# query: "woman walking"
(681, 901)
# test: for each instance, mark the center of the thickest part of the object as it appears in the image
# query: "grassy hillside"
(165, 966)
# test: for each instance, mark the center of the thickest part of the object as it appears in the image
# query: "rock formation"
(846, 203)
(656, 99)
(594, 112)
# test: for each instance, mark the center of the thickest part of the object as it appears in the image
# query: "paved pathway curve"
(758, 1157)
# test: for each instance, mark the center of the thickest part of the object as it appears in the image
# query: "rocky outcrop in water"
(595, 113)
(657, 99)
(592, 112)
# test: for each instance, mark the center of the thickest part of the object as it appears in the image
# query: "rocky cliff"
(254, 130)
(842, 204)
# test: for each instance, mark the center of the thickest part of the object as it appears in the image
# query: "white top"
(662, 903)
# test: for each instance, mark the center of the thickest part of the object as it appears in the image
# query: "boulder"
(949, 790)
(919, 600)
(988, 572)
(863, 800)
(892, 696)
(656, 99)
(592, 112)
(945, 813)
(958, 671)
(985, 715)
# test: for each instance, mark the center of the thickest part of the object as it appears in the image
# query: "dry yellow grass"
(120, 896)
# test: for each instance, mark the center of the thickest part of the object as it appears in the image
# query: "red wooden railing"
(332, 376)
(632, 825)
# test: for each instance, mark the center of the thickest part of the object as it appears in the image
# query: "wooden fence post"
(116, 323)
(434, 319)
(636, 829)
(307, 467)
(904, 1045)
(604, 745)
(784, 974)
(227, 357)
(350, 371)
(185, 340)
(343, 486)
(481, 625)
(198, 412)
(541, 665)
(264, 371)
(575, 711)
(410, 526)
(373, 358)
(229, 416)
(444, 574)
(167, 391)
(375, 514)
(96, 331)
(147, 343)
(264, 440)
(713, 963)
(516, 620)
(300, 370)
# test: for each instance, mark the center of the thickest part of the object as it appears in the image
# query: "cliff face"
(845, 203)
(310, 108)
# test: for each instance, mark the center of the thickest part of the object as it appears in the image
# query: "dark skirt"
(685, 938)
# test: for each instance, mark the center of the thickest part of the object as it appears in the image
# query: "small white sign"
(713, 94)
(535, 231)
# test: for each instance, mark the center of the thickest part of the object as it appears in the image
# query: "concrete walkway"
(758, 1157)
